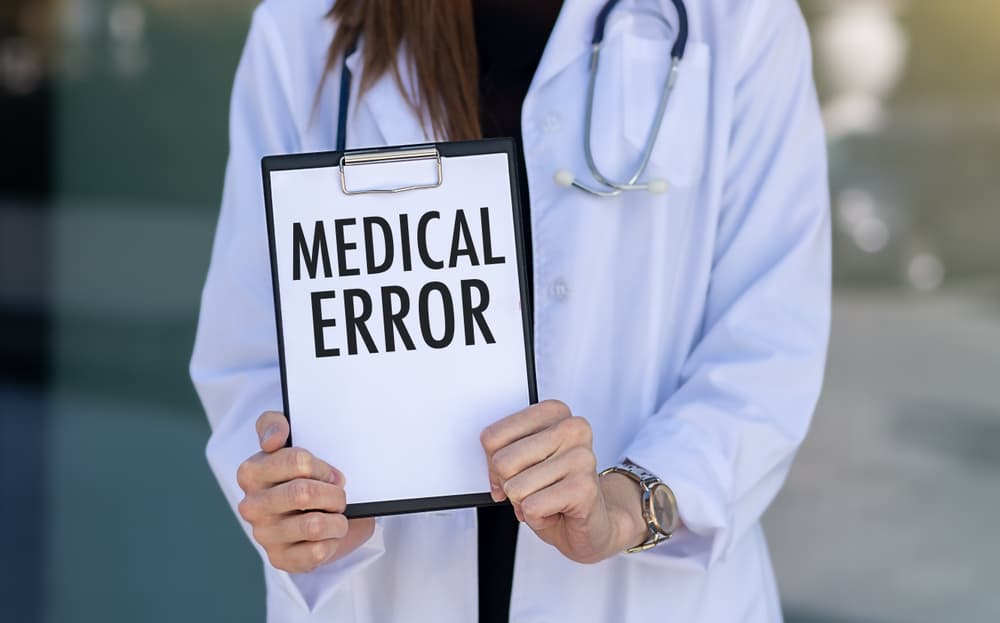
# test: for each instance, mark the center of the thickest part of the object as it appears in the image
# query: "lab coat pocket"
(681, 145)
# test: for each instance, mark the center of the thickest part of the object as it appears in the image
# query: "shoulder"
(289, 39)
(748, 14)
(295, 18)
(746, 35)
(296, 28)
(748, 24)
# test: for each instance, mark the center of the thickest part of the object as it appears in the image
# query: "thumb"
(272, 430)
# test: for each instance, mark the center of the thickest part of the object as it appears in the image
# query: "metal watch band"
(646, 481)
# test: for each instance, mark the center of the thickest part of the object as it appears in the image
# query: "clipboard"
(366, 246)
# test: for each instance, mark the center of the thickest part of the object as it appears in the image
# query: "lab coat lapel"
(400, 125)
(395, 118)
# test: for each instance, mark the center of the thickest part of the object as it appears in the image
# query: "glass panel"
(887, 515)
(108, 203)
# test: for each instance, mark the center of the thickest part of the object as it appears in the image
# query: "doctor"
(681, 267)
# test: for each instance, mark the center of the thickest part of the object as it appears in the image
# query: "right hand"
(295, 503)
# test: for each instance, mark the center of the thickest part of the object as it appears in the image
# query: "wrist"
(623, 497)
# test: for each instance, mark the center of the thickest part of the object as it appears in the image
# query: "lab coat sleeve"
(724, 441)
(235, 362)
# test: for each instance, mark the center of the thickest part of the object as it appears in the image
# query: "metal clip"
(401, 155)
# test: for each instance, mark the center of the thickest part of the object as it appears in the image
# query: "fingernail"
(496, 493)
(269, 432)
(332, 477)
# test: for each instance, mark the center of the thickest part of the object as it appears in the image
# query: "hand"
(295, 503)
(542, 459)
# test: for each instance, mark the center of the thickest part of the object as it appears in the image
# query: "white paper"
(402, 424)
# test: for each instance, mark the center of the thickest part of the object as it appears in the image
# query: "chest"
(620, 282)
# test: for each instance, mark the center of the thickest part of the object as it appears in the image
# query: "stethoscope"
(565, 177)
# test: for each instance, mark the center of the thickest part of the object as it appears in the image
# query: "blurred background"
(112, 146)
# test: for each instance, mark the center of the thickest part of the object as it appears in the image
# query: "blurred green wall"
(137, 529)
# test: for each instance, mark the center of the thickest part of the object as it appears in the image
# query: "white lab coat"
(689, 328)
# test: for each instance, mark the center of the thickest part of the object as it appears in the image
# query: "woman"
(682, 332)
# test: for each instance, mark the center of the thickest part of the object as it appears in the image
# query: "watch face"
(663, 507)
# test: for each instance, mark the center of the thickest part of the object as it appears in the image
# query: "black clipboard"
(342, 160)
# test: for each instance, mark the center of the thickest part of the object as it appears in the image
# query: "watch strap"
(646, 481)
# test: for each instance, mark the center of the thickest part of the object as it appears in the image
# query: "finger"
(521, 424)
(517, 511)
(264, 505)
(572, 432)
(304, 557)
(272, 430)
(539, 524)
(295, 528)
(268, 469)
(573, 496)
(303, 494)
(578, 460)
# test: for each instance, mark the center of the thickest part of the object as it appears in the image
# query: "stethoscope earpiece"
(657, 187)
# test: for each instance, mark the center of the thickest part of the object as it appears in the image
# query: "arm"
(725, 439)
(235, 362)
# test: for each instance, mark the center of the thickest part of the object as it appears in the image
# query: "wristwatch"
(659, 506)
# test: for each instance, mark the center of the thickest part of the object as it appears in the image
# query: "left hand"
(542, 459)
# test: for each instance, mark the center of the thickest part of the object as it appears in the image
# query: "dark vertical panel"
(26, 113)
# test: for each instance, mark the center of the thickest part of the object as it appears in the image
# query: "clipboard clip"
(383, 157)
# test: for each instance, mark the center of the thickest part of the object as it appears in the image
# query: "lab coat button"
(551, 123)
(560, 290)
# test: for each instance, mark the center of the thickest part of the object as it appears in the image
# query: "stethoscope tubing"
(613, 188)
(680, 44)
(565, 177)
(345, 98)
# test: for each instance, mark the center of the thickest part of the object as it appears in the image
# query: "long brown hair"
(440, 43)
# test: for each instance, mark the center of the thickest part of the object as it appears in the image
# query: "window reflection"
(910, 99)
(20, 66)
(861, 49)
(127, 26)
